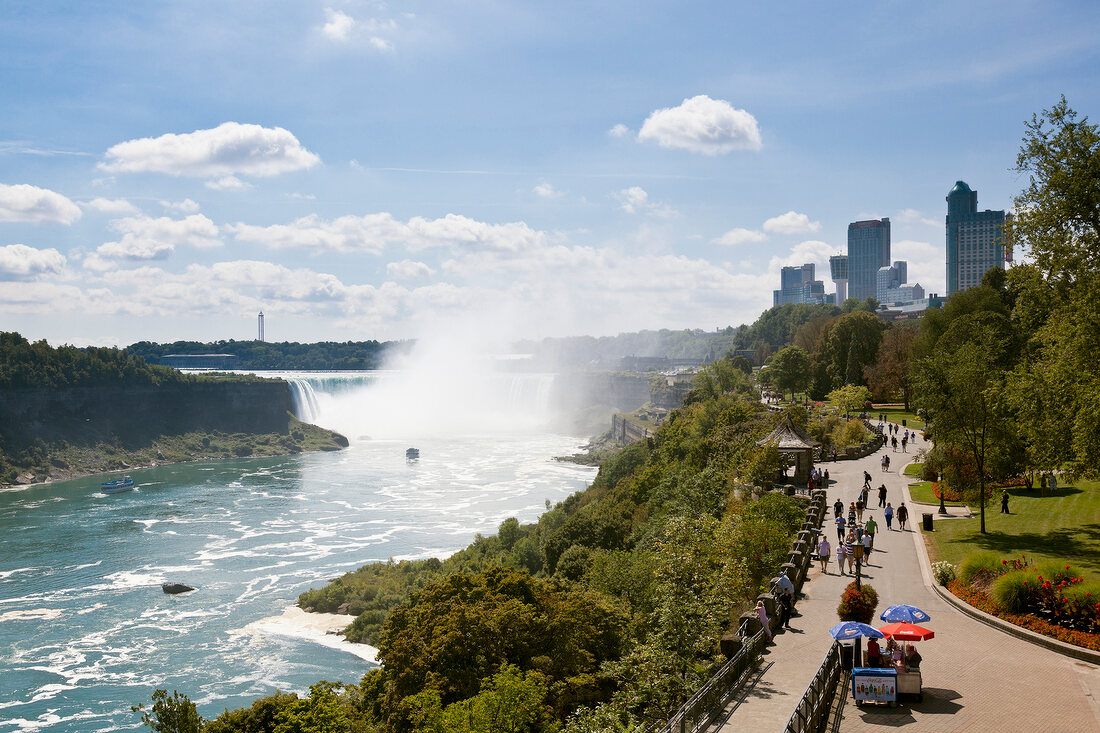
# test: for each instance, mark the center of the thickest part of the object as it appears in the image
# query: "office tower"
(868, 250)
(797, 285)
(975, 239)
(886, 278)
(838, 267)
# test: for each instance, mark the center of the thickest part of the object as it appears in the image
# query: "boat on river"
(117, 486)
(412, 454)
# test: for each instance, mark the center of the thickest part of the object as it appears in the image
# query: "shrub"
(943, 572)
(858, 604)
(1081, 606)
(1011, 592)
(984, 565)
(1058, 572)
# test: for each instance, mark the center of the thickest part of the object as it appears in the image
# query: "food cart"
(874, 684)
(908, 676)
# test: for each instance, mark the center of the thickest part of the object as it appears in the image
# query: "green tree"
(790, 370)
(889, 374)
(175, 714)
(962, 387)
(851, 398)
(850, 343)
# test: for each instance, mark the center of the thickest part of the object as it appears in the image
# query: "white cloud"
(228, 183)
(228, 149)
(740, 236)
(372, 232)
(187, 206)
(812, 251)
(912, 216)
(619, 130)
(408, 270)
(145, 238)
(20, 262)
(23, 202)
(547, 191)
(702, 125)
(926, 264)
(111, 206)
(791, 223)
(635, 200)
(338, 24)
(380, 44)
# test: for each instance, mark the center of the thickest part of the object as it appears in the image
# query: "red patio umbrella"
(902, 631)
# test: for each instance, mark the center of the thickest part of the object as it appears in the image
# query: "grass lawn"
(922, 491)
(895, 414)
(1065, 527)
(913, 469)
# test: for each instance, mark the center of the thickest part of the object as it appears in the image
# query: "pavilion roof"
(788, 436)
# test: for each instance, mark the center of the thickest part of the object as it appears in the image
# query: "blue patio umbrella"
(853, 630)
(906, 614)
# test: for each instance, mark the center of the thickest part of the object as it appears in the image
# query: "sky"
(365, 170)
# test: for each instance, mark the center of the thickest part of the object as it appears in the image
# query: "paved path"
(976, 678)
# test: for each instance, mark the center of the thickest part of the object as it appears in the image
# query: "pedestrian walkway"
(976, 678)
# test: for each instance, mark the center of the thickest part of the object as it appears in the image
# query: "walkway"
(976, 678)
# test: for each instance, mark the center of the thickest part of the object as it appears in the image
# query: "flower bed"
(981, 601)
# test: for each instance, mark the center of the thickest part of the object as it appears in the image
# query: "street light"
(943, 509)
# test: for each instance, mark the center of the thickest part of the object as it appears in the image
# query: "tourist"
(903, 516)
(840, 527)
(1004, 502)
(874, 653)
(859, 510)
(838, 507)
(841, 555)
(894, 443)
(866, 495)
(904, 442)
(851, 514)
(762, 613)
(868, 541)
(786, 606)
(866, 479)
(882, 494)
(823, 552)
(889, 512)
(887, 462)
(854, 550)
(883, 462)
(870, 528)
(826, 478)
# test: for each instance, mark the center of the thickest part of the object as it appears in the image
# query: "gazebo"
(793, 443)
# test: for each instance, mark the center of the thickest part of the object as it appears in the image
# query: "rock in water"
(174, 588)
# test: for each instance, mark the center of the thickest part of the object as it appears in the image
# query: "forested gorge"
(606, 612)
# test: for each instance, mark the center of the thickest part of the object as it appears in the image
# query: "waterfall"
(305, 400)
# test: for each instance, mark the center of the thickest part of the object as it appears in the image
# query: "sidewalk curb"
(1053, 645)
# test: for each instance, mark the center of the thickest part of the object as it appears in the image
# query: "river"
(85, 631)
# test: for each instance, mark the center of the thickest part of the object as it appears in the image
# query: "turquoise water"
(85, 631)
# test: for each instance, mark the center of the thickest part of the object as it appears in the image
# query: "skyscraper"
(868, 250)
(838, 268)
(886, 278)
(797, 285)
(975, 239)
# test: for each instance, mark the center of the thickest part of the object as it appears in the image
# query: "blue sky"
(367, 170)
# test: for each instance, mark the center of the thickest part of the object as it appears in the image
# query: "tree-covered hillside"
(323, 355)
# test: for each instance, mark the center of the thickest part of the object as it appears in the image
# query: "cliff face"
(137, 414)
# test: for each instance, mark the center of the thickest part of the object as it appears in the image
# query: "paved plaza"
(976, 677)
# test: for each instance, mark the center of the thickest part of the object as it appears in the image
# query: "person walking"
(1004, 503)
(824, 550)
(887, 463)
(838, 508)
(841, 525)
(903, 516)
(882, 494)
(868, 541)
(866, 495)
(904, 442)
(882, 463)
(841, 555)
(888, 512)
(894, 443)
(869, 529)
(826, 476)
(859, 510)
(850, 546)
(866, 479)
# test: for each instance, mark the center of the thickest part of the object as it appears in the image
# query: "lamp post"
(943, 509)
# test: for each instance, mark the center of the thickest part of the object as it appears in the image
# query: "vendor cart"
(872, 684)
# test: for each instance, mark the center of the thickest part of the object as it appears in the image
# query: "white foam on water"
(320, 628)
(4, 574)
(28, 614)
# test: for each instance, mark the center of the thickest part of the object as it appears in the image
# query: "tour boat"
(412, 453)
(117, 486)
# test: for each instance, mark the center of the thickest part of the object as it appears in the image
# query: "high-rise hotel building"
(868, 250)
(975, 239)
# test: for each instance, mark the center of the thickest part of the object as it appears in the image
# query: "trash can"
(927, 522)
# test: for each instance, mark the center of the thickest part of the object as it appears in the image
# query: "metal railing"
(697, 712)
(813, 709)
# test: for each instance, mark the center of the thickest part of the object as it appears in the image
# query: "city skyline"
(171, 170)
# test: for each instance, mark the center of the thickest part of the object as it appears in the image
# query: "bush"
(985, 565)
(1058, 573)
(858, 604)
(943, 572)
(1081, 606)
(1011, 591)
